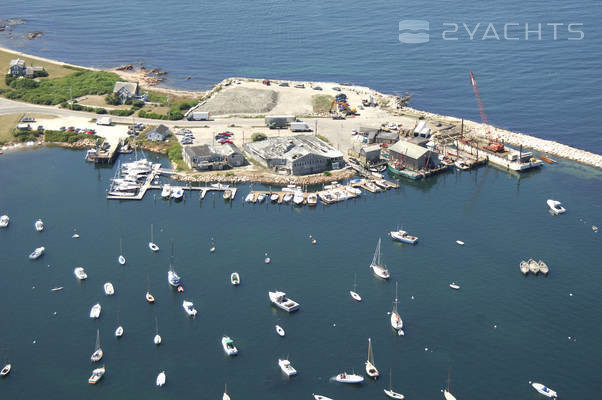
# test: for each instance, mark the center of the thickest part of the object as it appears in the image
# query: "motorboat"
(459, 242)
(5, 370)
(119, 331)
(312, 200)
(189, 308)
(372, 187)
(166, 191)
(177, 193)
(353, 190)
(280, 300)
(370, 368)
(249, 198)
(377, 267)
(267, 258)
(461, 165)
(151, 244)
(542, 389)
(447, 395)
(229, 347)
(396, 321)
(260, 197)
(402, 236)
(95, 311)
(381, 183)
(298, 198)
(235, 278)
(287, 197)
(173, 278)
(390, 393)
(327, 198)
(320, 397)
(161, 378)
(80, 274)
(524, 267)
(37, 253)
(4, 220)
(109, 289)
(121, 260)
(543, 267)
(286, 367)
(97, 355)
(274, 197)
(39, 225)
(556, 207)
(75, 236)
(280, 330)
(344, 377)
(97, 375)
(227, 194)
(454, 286)
(533, 266)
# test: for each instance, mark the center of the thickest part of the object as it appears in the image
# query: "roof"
(198, 151)
(371, 148)
(131, 87)
(17, 61)
(408, 149)
(161, 129)
(387, 135)
(293, 147)
(204, 150)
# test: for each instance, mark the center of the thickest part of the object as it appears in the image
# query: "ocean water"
(498, 332)
(547, 87)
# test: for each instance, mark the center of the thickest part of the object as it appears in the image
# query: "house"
(16, 67)
(32, 72)
(159, 134)
(127, 91)
(295, 155)
(412, 156)
(207, 157)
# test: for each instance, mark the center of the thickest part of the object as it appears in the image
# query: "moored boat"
(280, 330)
(454, 286)
(151, 244)
(524, 267)
(370, 368)
(235, 278)
(556, 207)
(189, 308)
(157, 339)
(249, 198)
(280, 300)
(274, 197)
(377, 267)
(39, 225)
(402, 236)
(260, 197)
(6, 370)
(543, 267)
(543, 389)
(119, 331)
(80, 273)
(121, 258)
(312, 200)
(97, 355)
(109, 289)
(177, 193)
(390, 393)
(286, 367)
(320, 397)
(287, 197)
(161, 379)
(227, 195)
(4, 220)
(298, 198)
(37, 253)
(354, 295)
(344, 377)
(396, 321)
(166, 191)
(533, 266)
(95, 311)
(229, 347)
(97, 374)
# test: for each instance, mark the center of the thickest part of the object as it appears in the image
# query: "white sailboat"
(172, 277)
(377, 267)
(149, 297)
(7, 366)
(390, 392)
(353, 292)
(370, 368)
(121, 258)
(119, 330)
(97, 355)
(446, 392)
(95, 311)
(396, 321)
(161, 379)
(151, 244)
(280, 331)
(226, 396)
(157, 339)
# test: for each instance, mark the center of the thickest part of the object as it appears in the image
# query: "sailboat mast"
(390, 379)
(152, 231)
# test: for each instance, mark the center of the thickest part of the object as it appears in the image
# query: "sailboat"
(119, 330)
(151, 244)
(97, 374)
(226, 396)
(7, 366)
(161, 378)
(157, 338)
(97, 355)
(396, 321)
(212, 242)
(377, 267)
(353, 292)
(172, 277)
(390, 392)
(370, 368)
(121, 258)
(149, 297)
(446, 393)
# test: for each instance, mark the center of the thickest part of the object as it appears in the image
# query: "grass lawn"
(321, 102)
(8, 123)
(54, 70)
(94, 100)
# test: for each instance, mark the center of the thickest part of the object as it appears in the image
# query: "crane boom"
(493, 145)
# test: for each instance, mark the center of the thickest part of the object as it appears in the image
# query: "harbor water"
(497, 333)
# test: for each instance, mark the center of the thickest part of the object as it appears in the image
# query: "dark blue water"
(548, 88)
(494, 335)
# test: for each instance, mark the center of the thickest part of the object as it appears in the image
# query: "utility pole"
(71, 96)
(316, 127)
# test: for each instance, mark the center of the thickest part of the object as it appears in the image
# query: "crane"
(493, 145)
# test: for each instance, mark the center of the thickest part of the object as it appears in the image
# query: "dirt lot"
(241, 100)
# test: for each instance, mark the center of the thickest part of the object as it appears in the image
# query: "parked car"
(284, 84)
(227, 141)
(28, 119)
(62, 128)
(338, 117)
(317, 88)
(226, 133)
(40, 128)
(336, 88)
(300, 86)
(70, 129)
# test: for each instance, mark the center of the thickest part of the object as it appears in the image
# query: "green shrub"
(175, 152)
(100, 110)
(66, 137)
(40, 74)
(112, 99)
(327, 173)
(8, 78)
(24, 83)
(122, 113)
(258, 136)
(138, 104)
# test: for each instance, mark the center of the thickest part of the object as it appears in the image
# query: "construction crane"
(493, 145)
(344, 105)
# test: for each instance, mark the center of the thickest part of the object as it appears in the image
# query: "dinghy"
(109, 289)
(161, 378)
(37, 253)
(280, 331)
(461, 243)
(454, 286)
(235, 279)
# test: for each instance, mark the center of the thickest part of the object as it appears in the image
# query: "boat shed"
(370, 154)
(412, 156)
(207, 157)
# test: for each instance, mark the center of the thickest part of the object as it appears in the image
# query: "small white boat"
(370, 368)
(189, 308)
(37, 253)
(95, 311)
(320, 397)
(402, 236)
(533, 266)
(260, 197)
(249, 198)
(229, 347)
(280, 330)
(4, 220)
(161, 378)
(166, 191)
(298, 198)
(344, 377)
(396, 321)
(39, 225)
(173, 278)
(390, 393)
(447, 395)
(542, 389)
(524, 267)
(543, 267)
(377, 267)
(121, 258)
(454, 286)
(460, 164)
(287, 197)
(312, 200)
(177, 193)
(119, 331)
(556, 207)
(149, 297)
(97, 374)
(5, 370)
(286, 367)
(97, 355)
(151, 244)
(109, 289)
(267, 259)
(274, 197)
(280, 300)
(75, 236)
(56, 289)
(80, 273)
(461, 243)
(227, 194)
(355, 296)
(157, 339)
(235, 278)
